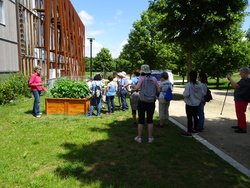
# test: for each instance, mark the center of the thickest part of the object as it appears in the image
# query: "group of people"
(194, 98)
(143, 97)
(114, 87)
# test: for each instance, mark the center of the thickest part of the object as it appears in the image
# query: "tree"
(122, 64)
(248, 34)
(224, 58)
(197, 24)
(104, 61)
(87, 64)
(145, 45)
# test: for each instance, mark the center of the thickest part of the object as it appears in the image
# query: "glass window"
(2, 19)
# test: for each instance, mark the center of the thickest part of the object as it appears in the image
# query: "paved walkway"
(218, 134)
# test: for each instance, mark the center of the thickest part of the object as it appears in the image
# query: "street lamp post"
(91, 40)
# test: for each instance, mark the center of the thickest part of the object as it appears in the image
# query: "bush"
(14, 86)
(65, 88)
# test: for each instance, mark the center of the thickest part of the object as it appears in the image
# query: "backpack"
(148, 91)
(208, 97)
(98, 91)
(168, 94)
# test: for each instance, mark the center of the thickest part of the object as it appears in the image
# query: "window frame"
(2, 13)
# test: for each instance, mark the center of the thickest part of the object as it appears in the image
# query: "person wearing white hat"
(146, 107)
(123, 84)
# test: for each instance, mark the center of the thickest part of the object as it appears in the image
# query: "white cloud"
(94, 33)
(86, 18)
(119, 12)
(96, 48)
(116, 52)
(123, 43)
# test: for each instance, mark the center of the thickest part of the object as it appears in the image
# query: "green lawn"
(58, 151)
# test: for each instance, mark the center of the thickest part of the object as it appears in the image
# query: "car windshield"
(157, 76)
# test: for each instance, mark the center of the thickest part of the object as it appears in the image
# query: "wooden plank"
(66, 106)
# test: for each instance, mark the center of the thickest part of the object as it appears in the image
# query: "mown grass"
(223, 82)
(58, 151)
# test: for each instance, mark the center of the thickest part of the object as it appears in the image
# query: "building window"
(2, 19)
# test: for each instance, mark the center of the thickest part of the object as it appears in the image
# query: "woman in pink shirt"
(35, 83)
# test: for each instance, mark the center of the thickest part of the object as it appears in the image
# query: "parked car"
(157, 75)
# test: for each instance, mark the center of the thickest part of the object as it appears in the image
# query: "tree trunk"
(189, 61)
(217, 81)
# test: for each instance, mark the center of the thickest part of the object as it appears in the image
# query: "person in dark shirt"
(240, 98)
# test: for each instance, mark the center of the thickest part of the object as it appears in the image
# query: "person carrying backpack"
(148, 87)
(164, 84)
(96, 99)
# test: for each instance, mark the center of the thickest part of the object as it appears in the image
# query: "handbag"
(208, 97)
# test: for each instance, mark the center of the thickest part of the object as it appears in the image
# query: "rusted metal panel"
(55, 29)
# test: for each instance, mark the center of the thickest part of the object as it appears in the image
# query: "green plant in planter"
(65, 88)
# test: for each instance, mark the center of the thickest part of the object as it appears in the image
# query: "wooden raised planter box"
(66, 106)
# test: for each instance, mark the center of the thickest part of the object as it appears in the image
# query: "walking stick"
(225, 99)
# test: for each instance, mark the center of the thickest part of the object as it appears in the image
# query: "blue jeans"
(95, 102)
(124, 104)
(36, 106)
(111, 104)
(201, 115)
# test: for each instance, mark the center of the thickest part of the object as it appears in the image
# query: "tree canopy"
(103, 61)
(195, 24)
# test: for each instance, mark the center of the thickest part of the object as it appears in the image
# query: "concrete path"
(218, 134)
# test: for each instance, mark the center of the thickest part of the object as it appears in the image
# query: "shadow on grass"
(118, 161)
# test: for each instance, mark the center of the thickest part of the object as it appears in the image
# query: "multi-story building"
(8, 37)
(48, 33)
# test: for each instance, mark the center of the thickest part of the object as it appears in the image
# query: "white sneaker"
(137, 139)
(151, 140)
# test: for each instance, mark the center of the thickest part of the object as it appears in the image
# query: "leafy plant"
(13, 86)
(65, 88)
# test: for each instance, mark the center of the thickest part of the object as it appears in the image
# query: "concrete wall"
(8, 39)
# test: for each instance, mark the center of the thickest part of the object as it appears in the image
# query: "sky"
(109, 22)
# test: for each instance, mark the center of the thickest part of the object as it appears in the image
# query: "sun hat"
(145, 69)
(123, 74)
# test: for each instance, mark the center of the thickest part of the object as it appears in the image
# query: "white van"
(157, 75)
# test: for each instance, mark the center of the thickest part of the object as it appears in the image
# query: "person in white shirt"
(192, 97)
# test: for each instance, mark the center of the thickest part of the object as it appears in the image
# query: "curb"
(221, 154)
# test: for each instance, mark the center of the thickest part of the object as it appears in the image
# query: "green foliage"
(198, 24)
(103, 61)
(87, 64)
(14, 86)
(146, 46)
(65, 88)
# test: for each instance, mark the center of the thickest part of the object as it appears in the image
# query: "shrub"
(65, 88)
(14, 86)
